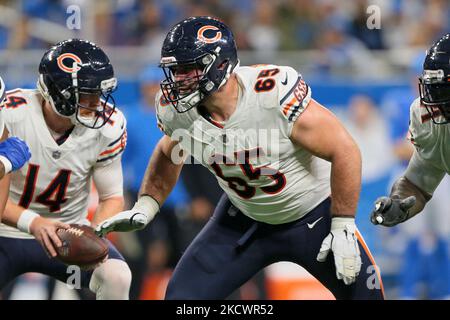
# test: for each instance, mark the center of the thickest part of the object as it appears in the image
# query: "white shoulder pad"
(116, 125)
(114, 140)
(164, 113)
(169, 119)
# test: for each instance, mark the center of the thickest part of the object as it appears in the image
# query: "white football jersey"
(2, 96)
(431, 159)
(56, 181)
(2, 123)
(263, 173)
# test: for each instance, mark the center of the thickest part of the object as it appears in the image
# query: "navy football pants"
(18, 256)
(232, 248)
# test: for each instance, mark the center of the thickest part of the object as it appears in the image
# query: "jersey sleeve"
(423, 173)
(114, 139)
(292, 95)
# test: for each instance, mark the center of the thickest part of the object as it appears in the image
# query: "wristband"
(25, 220)
(7, 164)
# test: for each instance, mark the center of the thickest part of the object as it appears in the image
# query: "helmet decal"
(64, 67)
(203, 38)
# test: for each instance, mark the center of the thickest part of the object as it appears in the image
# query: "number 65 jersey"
(264, 174)
(56, 181)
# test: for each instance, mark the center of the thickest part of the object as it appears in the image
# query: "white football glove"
(342, 241)
(143, 211)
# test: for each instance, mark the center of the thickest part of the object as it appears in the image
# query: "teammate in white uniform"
(429, 131)
(14, 153)
(260, 132)
(74, 137)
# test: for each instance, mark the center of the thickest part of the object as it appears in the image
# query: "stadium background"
(368, 77)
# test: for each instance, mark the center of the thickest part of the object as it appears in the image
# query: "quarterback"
(75, 136)
(282, 200)
(429, 131)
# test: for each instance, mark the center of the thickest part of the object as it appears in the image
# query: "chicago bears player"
(75, 135)
(14, 153)
(279, 201)
(429, 131)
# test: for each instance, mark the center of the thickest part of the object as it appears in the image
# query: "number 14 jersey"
(56, 182)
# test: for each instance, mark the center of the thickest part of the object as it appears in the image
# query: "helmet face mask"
(434, 83)
(73, 72)
(191, 88)
(197, 57)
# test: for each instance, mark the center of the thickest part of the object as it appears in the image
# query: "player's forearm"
(345, 180)
(107, 208)
(161, 174)
(12, 213)
(403, 188)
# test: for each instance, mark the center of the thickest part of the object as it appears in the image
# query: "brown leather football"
(81, 247)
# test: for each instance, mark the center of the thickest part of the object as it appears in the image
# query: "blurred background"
(366, 75)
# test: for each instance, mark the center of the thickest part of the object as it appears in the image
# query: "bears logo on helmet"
(202, 37)
(75, 65)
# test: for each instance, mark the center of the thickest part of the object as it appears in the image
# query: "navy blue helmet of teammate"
(205, 45)
(73, 68)
(434, 83)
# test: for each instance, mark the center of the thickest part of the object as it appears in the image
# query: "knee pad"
(111, 280)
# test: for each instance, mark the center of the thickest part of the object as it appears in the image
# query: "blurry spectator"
(298, 22)
(372, 38)
(370, 131)
(193, 220)
(263, 34)
(157, 273)
(143, 135)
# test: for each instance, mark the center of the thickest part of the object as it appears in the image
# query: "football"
(81, 247)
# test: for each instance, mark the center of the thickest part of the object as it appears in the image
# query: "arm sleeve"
(294, 95)
(423, 173)
(113, 147)
(109, 179)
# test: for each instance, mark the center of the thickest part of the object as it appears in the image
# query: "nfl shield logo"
(56, 154)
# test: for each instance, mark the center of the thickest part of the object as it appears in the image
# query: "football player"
(14, 153)
(279, 201)
(429, 130)
(75, 133)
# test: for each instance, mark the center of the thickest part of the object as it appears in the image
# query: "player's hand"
(44, 230)
(342, 241)
(389, 212)
(143, 211)
(16, 151)
(125, 221)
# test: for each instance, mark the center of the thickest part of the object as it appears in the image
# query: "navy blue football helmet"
(197, 43)
(434, 83)
(77, 67)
